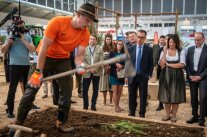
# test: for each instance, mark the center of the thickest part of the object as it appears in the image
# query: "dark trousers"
(202, 86)
(56, 94)
(16, 72)
(65, 91)
(141, 84)
(79, 82)
(86, 85)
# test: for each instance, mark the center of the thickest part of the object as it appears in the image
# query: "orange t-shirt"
(65, 37)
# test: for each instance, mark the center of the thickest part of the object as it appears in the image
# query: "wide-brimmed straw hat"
(88, 10)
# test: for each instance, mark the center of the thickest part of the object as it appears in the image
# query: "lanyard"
(91, 51)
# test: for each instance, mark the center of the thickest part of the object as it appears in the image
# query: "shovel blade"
(129, 69)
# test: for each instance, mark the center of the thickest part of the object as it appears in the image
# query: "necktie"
(139, 56)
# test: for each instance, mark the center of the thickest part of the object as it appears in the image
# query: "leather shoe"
(159, 108)
(35, 107)
(131, 114)
(93, 108)
(63, 127)
(192, 120)
(142, 116)
(201, 124)
(10, 115)
(86, 108)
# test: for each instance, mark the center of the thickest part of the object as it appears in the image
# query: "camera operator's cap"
(88, 10)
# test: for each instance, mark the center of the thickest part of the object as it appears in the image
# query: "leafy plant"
(2, 39)
(183, 43)
(126, 126)
(99, 36)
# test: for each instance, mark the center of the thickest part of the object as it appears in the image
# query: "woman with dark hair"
(117, 83)
(172, 81)
(104, 84)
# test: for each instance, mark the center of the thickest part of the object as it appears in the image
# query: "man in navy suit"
(142, 59)
(196, 67)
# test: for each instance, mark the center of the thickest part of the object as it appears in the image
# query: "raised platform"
(153, 90)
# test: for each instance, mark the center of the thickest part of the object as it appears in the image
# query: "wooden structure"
(136, 15)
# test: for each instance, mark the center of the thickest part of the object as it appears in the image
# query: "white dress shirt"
(196, 57)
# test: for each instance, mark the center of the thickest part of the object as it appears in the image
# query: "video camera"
(15, 28)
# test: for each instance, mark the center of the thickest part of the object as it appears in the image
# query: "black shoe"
(131, 114)
(10, 115)
(201, 124)
(35, 107)
(192, 120)
(86, 108)
(142, 115)
(7, 110)
(159, 108)
(93, 108)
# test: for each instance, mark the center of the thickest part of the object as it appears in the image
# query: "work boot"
(63, 127)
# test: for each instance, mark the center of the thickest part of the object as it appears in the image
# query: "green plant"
(126, 126)
(2, 39)
(183, 43)
(99, 36)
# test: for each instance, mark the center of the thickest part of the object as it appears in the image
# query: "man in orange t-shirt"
(62, 35)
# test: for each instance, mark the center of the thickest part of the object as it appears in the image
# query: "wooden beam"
(176, 20)
(99, 7)
(117, 24)
(135, 21)
(147, 14)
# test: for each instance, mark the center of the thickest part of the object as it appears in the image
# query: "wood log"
(22, 128)
(43, 135)
(17, 133)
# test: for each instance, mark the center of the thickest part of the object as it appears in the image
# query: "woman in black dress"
(172, 81)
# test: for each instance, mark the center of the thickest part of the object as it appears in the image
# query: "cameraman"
(18, 46)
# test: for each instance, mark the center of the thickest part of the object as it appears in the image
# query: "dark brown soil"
(89, 125)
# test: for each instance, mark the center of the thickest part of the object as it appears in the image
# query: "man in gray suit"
(93, 54)
(196, 67)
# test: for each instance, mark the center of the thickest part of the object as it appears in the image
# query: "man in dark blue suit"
(142, 59)
(196, 67)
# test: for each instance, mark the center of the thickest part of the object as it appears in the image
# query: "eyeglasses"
(139, 37)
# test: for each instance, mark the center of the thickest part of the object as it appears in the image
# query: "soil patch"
(90, 125)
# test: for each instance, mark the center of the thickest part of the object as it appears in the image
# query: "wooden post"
(176, 20)
(96, 14)
(117, 23)
(135, 21)
(17, 133)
